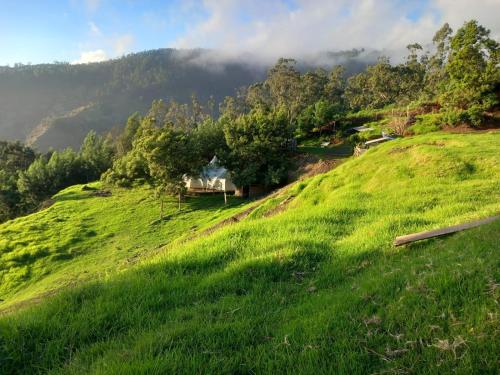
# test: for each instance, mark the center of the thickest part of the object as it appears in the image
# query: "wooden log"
(401, 240)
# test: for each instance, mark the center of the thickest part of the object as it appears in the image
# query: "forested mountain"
(55, 105)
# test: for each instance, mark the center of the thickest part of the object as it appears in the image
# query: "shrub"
(475, 115)
(427, 123)
(454, 117)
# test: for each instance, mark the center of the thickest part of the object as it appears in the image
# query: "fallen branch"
(401, 240)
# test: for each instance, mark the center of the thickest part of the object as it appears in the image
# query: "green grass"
(83, 237)
(427, 123)
(318, 288)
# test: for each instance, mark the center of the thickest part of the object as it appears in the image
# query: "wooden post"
(179, 201)
(225, 197)
(161, 209)
(401, 240)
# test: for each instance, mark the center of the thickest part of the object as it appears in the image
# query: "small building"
(213, 178)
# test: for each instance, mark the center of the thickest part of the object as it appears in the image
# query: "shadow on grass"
(192, 302)
(152, 296)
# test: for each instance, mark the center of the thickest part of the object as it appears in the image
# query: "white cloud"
(91, 57)
(94, 30)
(271, 29)
(123, 44)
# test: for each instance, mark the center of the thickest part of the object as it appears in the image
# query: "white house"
(214, 177)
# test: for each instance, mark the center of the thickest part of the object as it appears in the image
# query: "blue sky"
(93, 30)
(44, 31)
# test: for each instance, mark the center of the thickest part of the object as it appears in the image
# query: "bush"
(475, 115)
(454, 117)
(427, 123)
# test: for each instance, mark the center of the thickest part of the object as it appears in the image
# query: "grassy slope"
(315, 289)
(84, 237)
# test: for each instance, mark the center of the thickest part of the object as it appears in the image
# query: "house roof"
(215, 170)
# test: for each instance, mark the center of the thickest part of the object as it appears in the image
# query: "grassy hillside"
(315, 288)
(83, 237)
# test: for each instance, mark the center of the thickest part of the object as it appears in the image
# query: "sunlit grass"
(84, 237)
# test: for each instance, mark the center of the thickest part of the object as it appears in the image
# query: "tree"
(284, 83)
(472, 71)
(125, 139)
(313, 87)
(170, 156)
(335, 87)
(47, 175)
(14, 158)
(258, 96)
(257, 145)
(411, 75)
(316, 115)
(234, 106)
(96, 154)
(435, 72)
(208, 138)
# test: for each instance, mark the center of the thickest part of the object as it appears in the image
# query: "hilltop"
(314, 287)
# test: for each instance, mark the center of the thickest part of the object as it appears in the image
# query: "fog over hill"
(55, 105)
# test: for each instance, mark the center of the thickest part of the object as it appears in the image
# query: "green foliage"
(473, 115)
(172, 141)
(316, 115)
(126, 137)
(318, 288)
(209, 139)
(472, 71)
(258, 148)
(427, 123)
(14, 158)
(462, 75)
(384, 84)
(170, 155)
(49, 173)
(125, 170)
(96, 155)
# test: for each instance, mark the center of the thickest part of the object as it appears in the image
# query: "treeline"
(461, 76)
(28, 178)
(253, 132)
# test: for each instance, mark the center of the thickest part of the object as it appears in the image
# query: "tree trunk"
(161, 209)
(225, 197)
(179, 201)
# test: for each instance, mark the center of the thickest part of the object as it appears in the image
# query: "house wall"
(213, 184)
(195, 183)
(228, 185)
